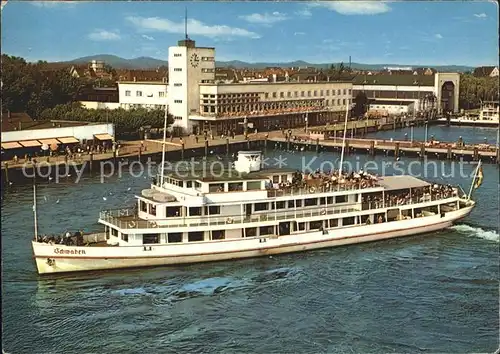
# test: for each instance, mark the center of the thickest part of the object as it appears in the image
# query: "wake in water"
(476, 231)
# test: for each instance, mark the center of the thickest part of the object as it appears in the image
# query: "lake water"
(428, 293)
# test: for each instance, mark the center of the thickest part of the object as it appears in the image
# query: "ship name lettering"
(65, 251)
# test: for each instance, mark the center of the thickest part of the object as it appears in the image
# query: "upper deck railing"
(127, 218)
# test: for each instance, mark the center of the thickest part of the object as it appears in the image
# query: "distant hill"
(148, 62)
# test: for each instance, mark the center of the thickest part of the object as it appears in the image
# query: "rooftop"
(401, 182)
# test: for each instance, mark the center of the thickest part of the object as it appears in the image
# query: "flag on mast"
(479, 178)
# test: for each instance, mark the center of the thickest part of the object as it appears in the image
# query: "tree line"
(125, 121)
(52, 94)
(474, 90)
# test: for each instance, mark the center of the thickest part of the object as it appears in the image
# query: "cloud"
(481, 15)
(195, 27)
(354, 7)
(103, 35)
(149, 38)
(265, 18)
(52, 4)
(299, 33)
(438, 36)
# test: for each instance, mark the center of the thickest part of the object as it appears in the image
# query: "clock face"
(194, 60)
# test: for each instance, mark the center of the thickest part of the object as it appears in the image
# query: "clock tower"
(188, 67)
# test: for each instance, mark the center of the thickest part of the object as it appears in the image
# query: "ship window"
(261, 206)
(197, 184)
(237, 186)
(150, 238)
(276, 179)
(310, 201)
(189, 184)
(125, 237)
(334, 222)
(253, 186)
(280, 205)
(195, 211)
(291, 203)
(106, 231)
(348, 221)
(212, 210)
(266, 230)
(114, 232)
(329, 200)
(196, 236)
(173, 212)
(322, 201)
(284, 178)
(315, 225)
(218, 234)
(341, 199)
(174, 237)
(144, 206)
(152, 209)
(302, 226)
(298, 203)
(251, 231)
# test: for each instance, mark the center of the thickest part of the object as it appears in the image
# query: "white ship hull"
(61, 258)
(470, 122)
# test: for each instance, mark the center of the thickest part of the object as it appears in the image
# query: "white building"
(188, 67)
(445, 87)
(151, 95)
(393, 107)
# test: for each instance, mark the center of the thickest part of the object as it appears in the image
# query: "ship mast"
(34, 209)
(163, 146)
(343, 141)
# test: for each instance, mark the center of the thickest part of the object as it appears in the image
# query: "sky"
(402, 32)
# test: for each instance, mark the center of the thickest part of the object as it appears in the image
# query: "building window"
(177, 84)
(350, 92)
(315, 93)
(204, 70)
(266, 95)
(343, 101)
(177, 101)
(327, 92)
(308, 93)
(274, 94)
(177, 69)
(344, 91)
(127, 93)
(138, 93)
(289, 94)
(207, 58)
(338, 92)
(161, 94)
(282, 95)
(301, 93)
(296, 93)
(338, 101)
(177, 55)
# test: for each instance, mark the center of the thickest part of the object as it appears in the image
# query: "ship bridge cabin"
(245, 200)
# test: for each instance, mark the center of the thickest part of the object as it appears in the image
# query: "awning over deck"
(69, 140)
(30, 143)
(11, 145)
(103, 137)
(49, 141)
(402, 182)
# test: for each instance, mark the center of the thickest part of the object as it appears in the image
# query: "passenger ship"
(250, 211)
(488, 117)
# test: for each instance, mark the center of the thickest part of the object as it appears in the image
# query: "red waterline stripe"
(236, 251)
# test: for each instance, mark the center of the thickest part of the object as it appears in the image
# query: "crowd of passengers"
(67, 239)
(437, 191)
(326, 180)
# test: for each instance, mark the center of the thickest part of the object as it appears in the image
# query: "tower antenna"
(186, 23)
